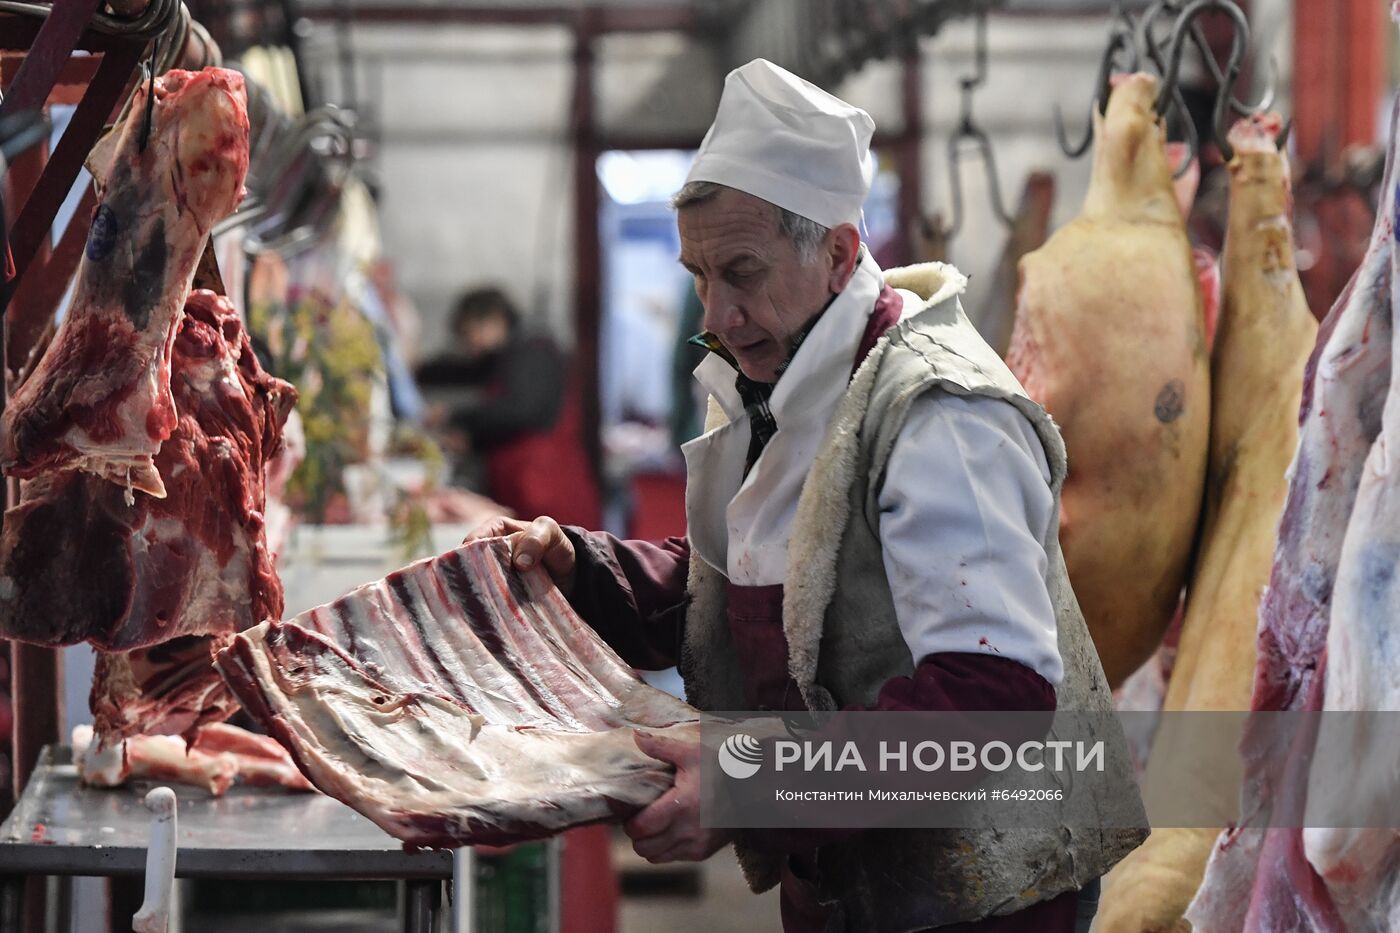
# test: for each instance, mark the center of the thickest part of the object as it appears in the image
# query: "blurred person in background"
(505, 409)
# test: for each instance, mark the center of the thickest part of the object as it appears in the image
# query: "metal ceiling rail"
(605, 18)
(826, 40)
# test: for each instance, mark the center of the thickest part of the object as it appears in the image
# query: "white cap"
(782, 139)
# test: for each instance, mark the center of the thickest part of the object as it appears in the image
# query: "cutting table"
(60, 827)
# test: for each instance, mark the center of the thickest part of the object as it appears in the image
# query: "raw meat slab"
(457, 702)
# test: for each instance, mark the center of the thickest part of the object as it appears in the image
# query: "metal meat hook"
(1239, 45)
(969, 130)
(1158, 53)
(150, 77)
(1120, 40)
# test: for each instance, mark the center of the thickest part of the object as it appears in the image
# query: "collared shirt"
(964, 506)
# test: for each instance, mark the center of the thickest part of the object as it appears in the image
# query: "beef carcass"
(457, 702)
(175, 576)
(1259, 879)
(1361, 866)
(1110, 338)
(220, 756)
(1265, 337)
(78, 563)
(100, 399)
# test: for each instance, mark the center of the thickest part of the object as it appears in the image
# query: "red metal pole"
(587, 249)
(55, 43)
(31, 228)
(910, 159)
(1339, 80)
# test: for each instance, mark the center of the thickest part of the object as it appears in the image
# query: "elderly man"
(872, 524)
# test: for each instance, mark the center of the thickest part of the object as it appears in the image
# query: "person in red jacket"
(512, 409)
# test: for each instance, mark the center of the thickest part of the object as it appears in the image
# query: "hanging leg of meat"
(457, 702)
(1028, 232)
(1109, 337)
(100, 398)
(1266, 335)
(1259, 879)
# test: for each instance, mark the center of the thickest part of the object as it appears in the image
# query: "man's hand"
(533, 544)
(668, 829)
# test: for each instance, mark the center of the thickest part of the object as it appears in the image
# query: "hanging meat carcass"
(78, 563)
(1029, 228)
(1110, 338)
(1265, 336)
(99, 400)
(1360, 864)
(457, 702)
(1261, 879)
(160, 583)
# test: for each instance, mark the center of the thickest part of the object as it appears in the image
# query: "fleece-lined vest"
(844, 643)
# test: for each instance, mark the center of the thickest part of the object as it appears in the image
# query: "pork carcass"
(100, 400)
(1110, 338)
(1259, 879)
(457, 702)
(219, 756)
(1265, 336)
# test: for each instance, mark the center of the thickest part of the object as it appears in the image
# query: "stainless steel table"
(60, 827)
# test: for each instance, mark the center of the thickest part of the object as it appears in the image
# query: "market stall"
(309, 308)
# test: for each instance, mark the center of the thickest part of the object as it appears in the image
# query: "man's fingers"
(542, 535)
(665, 849)
(655, 818)
(498, 527)
(663, 749)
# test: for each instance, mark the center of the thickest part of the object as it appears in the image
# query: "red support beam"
(51, 48)
(72, 80)
(1339, 74)
(909, 154)
(588, 292)
(31, 229)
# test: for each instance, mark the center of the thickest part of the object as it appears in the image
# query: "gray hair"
(805, 235)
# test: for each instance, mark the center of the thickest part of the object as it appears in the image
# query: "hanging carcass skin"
(99, 399)
(1110, 338)
(1266, 333)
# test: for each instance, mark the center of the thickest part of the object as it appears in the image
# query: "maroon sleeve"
(955, 682)
(948, 682)
(632, 593)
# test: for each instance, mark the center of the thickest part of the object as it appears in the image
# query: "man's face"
(756, 291)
